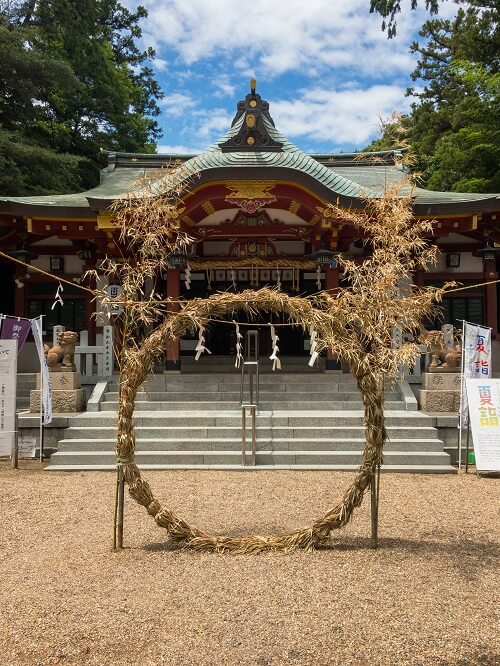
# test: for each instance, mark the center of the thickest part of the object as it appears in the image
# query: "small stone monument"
(67, 394)
(441, 383)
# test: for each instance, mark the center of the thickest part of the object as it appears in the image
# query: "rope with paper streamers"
(200, 347)
(274, 355)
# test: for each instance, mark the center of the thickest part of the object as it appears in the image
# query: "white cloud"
(223, 86)
(166, 149)
(282, 35)
(344, 116)
(176, 104)
(213, 124)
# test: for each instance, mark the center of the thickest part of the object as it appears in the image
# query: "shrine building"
(258, 213)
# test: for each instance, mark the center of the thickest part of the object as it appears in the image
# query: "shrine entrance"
(220, 337)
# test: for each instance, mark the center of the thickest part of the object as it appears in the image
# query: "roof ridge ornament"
(253, 134)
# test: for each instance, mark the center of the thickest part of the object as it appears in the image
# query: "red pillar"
(490, 295)
(172, 352)
(332, 283)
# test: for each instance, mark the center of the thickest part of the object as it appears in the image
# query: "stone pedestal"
(440, 392)
(67, 394)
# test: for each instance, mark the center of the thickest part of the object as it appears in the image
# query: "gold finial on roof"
(253, 85)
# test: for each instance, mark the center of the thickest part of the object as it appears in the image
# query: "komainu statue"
(444, 357)
(62, 355)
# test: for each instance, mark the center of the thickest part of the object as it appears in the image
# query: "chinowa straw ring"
(195, 314)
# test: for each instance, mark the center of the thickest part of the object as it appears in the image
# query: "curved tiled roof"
(289, 157)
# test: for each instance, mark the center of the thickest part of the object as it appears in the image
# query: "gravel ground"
(427, 596)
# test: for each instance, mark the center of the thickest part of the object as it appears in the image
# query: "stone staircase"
(309, 420)
(25, 383)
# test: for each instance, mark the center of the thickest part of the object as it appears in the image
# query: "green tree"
(73, 83)
(454, 125)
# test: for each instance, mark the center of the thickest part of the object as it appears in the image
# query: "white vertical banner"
(483, 396)
(476, 350)
(8, 379)
(46, 387)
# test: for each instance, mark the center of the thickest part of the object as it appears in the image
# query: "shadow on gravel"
(467, 555)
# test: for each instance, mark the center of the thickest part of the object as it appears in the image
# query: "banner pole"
(41, 399)
(40, 437)
(460, 418)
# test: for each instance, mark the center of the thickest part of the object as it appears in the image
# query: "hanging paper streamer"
(318, 277)
(239, 346)
(210, 276)
(312, 350)
(200, 347)
(233, 279)
(274, 356)
(187, 276)
(58, 297)
(278, 278)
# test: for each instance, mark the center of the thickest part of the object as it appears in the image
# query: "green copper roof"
(290, 157)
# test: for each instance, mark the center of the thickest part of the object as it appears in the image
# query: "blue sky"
(326, 68)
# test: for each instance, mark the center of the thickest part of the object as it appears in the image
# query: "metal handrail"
(250, 369)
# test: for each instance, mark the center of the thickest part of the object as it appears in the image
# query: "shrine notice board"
(483, 396)
(8, 377)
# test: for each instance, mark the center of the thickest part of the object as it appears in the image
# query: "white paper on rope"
(8, 378)
(200, 347)
(239, 346)
(312, 349)
(274, 355)
(46, 396)
(187, 276)
(58, 296)
(483, 396)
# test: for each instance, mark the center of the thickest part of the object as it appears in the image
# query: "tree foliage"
(454, 124)
(389, 9)
(73, 82)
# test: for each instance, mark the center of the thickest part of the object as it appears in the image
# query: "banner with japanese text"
(14, 328)
(483, 396)
(476, 349)
(46, 393)
(8, 378)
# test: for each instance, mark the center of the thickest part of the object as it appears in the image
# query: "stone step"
(189, 458)
(401, 469)
(233, 432)
(288, 378)
(291, 405)
(216, 417)
(234, 396)
(234, 444)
